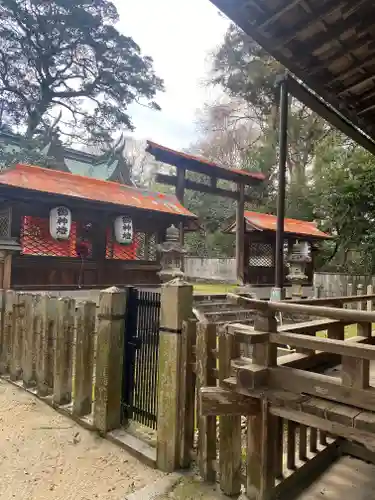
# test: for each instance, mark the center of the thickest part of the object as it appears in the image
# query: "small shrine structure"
(260, 245)
(63, 231)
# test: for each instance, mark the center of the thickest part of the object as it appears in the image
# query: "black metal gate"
(141, 349)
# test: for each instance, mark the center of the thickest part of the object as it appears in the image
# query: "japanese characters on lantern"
(124, 230)
(60, 222)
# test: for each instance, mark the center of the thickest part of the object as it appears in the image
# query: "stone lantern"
(298, 258)
(172, 254)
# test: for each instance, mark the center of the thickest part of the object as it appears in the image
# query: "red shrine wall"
(45, 263)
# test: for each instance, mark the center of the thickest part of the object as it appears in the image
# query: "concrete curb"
(152, 491)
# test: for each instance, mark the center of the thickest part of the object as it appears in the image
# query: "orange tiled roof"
(252, 175)
(86, 188)
(291, 226)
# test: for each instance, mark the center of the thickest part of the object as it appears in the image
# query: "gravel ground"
(44, 455)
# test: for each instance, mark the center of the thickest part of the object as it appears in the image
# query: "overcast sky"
(178, 35)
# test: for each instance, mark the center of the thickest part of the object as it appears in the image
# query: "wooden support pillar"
(85, 328)
(240, 235)
(176, 307)
(109, 359)
(262, 428)
(7, 271)
(229, 426)
(62, 384)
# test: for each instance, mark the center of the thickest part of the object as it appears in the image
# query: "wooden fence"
(282, 448)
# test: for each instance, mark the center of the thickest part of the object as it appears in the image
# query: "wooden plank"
(291, 445)
(189, 332)
(62, 387)
(279, 447)
(230, 424)
(221, 402)
(84, 358)
(302, 443)
(313, 440)
(342, 347)
(307, 327)
(366, 438)
(321, 386)
(252, 376)
(206, 341)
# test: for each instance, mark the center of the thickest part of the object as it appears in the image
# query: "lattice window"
(36, 239)
(135, 251)
(261, 255)
(152, 248)
(5, 222)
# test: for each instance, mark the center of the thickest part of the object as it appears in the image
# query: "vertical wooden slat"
(302, 444)
(7, 327)
(322, 438)
(18, 335)
(206, 341)
(45, 350)
(279, 446)
(313, 439)
(62, 387)
(291, 445)
(187, 392)
(29, 344)
(83, 381)
(369, 291)
(229, 426)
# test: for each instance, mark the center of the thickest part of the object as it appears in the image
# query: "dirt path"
(44, 455)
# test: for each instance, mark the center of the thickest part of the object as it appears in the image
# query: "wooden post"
(7, 272)
(240, 234)
(229, 426)
(29, 344)
(261, 429)
(109, 359)
(18, 335)
(47, 312)
(83, 380)
(62, 383)
(370, 291)
(187, 406)
(355, 372)
(7, 322)
(206, 363)
(176, 307)
(349, 294)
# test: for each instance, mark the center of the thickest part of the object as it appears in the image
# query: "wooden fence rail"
(292, 414)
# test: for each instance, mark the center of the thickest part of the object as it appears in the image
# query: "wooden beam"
(171, 180)
(323, 386)
(342, 347)
(220, 402)
(240, 234)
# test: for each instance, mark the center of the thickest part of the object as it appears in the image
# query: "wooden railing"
(291, 406)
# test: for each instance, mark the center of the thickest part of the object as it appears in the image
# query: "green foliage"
(68, 55)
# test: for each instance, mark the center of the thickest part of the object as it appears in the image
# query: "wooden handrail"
(320, 311)
(333, 300)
